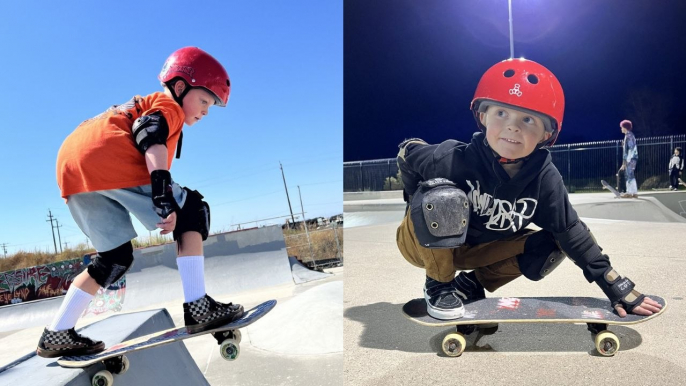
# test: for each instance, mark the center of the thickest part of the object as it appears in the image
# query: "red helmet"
(523, 84)
(198, 69)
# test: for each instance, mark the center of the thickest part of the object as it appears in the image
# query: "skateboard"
(619, 175)
(228, 336)
(610, 188)
(483, 317)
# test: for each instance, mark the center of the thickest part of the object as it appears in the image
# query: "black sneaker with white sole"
(468, 287)
(67, 343)
(206, 313)
(442, 300)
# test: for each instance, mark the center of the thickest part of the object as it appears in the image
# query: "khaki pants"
(495, 262)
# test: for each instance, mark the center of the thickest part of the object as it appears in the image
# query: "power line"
(59, 237)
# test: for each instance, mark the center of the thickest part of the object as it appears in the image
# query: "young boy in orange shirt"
(117, 164)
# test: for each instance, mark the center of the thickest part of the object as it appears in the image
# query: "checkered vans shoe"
(206, 313)
(66, 342)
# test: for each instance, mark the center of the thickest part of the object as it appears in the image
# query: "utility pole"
(4, 248)
(50, 217)
(59, 238)
(66, 244)
(287, 197)
(309, 244)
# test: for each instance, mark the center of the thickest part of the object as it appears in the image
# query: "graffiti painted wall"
(40, 282)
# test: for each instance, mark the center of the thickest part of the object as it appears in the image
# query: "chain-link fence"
(318, 248)
(582, 166)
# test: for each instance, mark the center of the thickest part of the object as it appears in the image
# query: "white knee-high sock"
(73, 305)
(192, 271)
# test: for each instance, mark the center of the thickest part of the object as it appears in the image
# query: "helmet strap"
(179, 98)
(502, 160)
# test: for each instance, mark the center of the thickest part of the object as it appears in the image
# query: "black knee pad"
(193, 216)
(108, 267)
(541, 256)
(440, 214)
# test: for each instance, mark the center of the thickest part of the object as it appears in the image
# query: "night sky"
(411, 66)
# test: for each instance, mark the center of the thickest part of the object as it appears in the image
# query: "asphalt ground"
(382, 347)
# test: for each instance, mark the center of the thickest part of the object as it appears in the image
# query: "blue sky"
(66, 62)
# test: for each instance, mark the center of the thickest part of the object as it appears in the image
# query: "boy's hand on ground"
(168, 224)
(646, 308)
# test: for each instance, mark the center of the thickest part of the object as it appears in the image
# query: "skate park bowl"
(245, 267)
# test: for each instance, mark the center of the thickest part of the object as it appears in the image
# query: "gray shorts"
(104, 215)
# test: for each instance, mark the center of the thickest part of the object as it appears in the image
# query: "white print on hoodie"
(503, 215)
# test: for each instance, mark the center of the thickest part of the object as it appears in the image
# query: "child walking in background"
(676, 166)
(117, 164)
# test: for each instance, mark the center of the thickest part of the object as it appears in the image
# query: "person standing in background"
(676, 166)
(629, 159)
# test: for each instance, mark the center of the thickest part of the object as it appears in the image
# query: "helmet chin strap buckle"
(503, 160)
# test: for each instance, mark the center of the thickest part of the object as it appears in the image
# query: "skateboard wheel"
(454, 344)
(229, 349)
(233, 334)
(102, 378)
(237, 336)
(124, 364)
(606, 343)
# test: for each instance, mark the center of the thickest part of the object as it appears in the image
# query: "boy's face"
(512, 133)
(196, 105)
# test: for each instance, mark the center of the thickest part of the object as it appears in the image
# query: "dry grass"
(323, 243)
(25, 259)
(323, 247)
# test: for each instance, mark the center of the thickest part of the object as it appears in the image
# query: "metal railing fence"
(582, 166)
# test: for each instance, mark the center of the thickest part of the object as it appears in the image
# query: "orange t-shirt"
(101, 153)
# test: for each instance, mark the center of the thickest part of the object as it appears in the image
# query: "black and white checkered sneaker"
(206, 313)
(66, 342)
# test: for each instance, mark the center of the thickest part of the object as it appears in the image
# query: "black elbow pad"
(150, 130)
(578, 243)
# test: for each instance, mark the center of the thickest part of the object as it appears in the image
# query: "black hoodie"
(502, 205)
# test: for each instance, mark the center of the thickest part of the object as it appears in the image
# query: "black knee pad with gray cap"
(440, 214)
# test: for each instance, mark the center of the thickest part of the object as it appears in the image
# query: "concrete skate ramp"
(674, 201)
(302, 274)
(643, 208)
(234, 262)
(309, 324)
(167, 365)
(361, 209)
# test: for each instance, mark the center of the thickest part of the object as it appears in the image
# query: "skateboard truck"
(606, 342)
(481, 329)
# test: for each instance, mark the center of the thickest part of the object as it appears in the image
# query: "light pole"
(509, 8)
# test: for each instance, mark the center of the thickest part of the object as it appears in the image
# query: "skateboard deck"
(114, 357)
(610, 188)
(484, 315)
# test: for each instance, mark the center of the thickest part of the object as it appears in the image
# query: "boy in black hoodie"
(475, 200)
